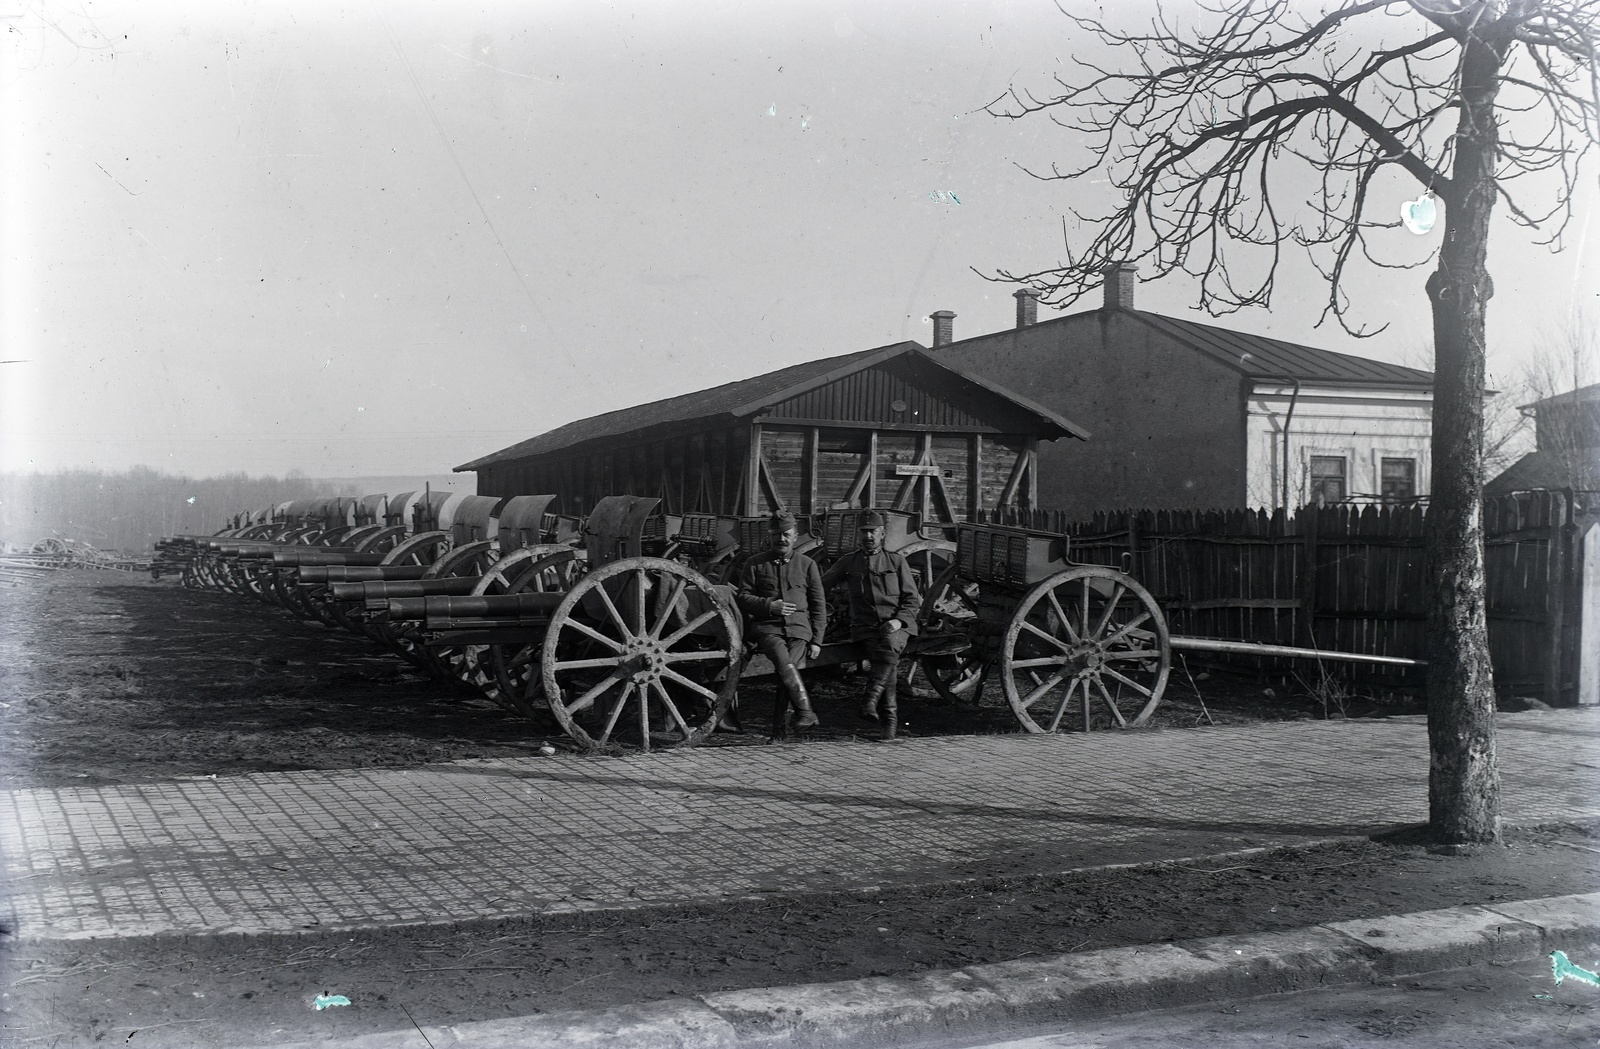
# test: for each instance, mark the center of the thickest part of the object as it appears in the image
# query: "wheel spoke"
(1061, 709)
(1050, 682)
(1042, 661)
(586, 700)
(1127, 681)
(688, 628)
(679, 657)
(1101, 685)
(1124, 629)
(1066, 621)
(611, 610)
(1056, 641)
(584, 628)
(580, 664)
(672, 709)
(670, 606)
(616, 711)
(638, 597)
(1135, 653)
(1111, 606)
(668, 672)
(644, 698)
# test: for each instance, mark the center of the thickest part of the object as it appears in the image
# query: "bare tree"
(1209, 135)
(1567, 426)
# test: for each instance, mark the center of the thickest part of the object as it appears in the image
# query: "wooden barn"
(891, 428)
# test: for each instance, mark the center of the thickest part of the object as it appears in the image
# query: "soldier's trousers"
(884, 652)
(785, 654)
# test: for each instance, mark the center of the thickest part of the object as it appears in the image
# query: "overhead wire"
(450, 150)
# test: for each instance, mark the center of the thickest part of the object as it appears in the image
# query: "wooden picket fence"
(1351, 579)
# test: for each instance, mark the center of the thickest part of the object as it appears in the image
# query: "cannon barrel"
(322, 555)
(382, 590)
(509, 606)
(321, 575)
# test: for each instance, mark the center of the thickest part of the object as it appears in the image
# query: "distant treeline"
(131, 510)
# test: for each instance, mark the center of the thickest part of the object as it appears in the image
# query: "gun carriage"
(623, 646)
(623, 628)
(1074, 645)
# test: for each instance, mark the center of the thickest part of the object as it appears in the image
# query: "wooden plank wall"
(1349, 579)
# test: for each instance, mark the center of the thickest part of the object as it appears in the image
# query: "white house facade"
(1332, 444)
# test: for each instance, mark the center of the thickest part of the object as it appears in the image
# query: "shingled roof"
(1264, 359)
(744, 398)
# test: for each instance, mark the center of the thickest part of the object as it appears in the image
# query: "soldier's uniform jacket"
(882, 587)
(764, 581)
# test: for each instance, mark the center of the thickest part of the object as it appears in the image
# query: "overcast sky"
(386, 238)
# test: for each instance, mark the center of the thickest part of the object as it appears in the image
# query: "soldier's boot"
(882, 678)
(891, 710)
(729, 722)
(869, 704)
(797, 695)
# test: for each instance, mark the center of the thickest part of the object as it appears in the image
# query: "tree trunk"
(1463, 782)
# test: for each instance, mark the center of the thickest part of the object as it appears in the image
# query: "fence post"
(1589, 618)
(1558, 516)
(1134, 566)
(1308, 576)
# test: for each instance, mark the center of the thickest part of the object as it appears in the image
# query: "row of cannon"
(622, 625)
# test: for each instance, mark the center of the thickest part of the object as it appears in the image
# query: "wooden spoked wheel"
(381, 541)
(1089, 641)
(638, 641)
(471, 559)
(948, 620)
(424, 548)
(506, 673)
(928, 559)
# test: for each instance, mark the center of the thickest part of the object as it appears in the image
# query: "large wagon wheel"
(470, 560)
(1087, 638)
(508, 673)
(640, 635)
(954, 660)
(928, 560)
(382, 541)
(354, 537)
(424, 548)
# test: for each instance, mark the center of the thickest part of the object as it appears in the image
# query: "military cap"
(872, 519)
(781, 521)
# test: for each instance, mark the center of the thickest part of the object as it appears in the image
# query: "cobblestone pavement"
(329, 850)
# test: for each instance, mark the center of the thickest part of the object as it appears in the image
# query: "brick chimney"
(1120, 280)
(1027, 307)
(944, 326)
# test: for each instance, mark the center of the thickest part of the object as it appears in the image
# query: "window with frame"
(1328, 479)
(1398, 478)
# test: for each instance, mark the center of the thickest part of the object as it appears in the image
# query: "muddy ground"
(111, 679)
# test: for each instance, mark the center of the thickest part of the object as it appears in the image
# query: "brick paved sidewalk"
(277, 852)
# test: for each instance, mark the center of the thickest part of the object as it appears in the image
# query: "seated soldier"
(781, 594)
(884, 601)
